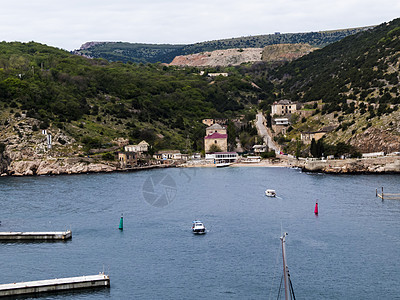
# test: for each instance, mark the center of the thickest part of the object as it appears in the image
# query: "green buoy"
(121, 223)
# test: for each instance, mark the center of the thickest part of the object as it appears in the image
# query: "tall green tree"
(231, 130)
(313, 148)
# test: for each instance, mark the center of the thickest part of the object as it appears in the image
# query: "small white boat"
(222, 165)
(198, 227)
(270, 193)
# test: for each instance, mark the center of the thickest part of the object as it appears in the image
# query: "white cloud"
(67, 25)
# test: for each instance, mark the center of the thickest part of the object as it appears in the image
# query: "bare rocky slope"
(286, 52)
(379, 134)
(237, 56)
(27, 153)
(233, 57)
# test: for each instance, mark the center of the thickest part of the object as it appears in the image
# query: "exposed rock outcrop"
(59, 166)
(285, 52)
(375, 139)
(234, 57)
(27, 152)
(215, 58)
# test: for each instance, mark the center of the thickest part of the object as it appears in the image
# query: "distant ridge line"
(87, 45)
(165, 53)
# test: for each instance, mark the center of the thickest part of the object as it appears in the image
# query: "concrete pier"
(54, 285)
(51, 236)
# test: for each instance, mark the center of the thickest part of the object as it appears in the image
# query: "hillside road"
(264, 133)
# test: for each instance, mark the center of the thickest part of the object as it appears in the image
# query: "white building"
(222, 157)
(281, 121)
(143, 146)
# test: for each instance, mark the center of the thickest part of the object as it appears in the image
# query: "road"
(264, 133)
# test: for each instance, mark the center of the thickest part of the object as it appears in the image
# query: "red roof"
(216, 135)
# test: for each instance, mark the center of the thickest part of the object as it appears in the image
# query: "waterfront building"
(222, 157)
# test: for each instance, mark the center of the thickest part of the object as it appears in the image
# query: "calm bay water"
(350, 251)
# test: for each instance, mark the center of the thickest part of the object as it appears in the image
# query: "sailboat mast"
(285, 267)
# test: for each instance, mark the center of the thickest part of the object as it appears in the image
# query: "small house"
(260, 148)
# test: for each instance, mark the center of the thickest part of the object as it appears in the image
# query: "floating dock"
(51, 236)
(54, 285)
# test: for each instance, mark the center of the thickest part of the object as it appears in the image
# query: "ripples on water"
(350, 251)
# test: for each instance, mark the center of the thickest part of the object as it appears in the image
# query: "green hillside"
(351, 86)
(364, 66)
(95, 101)
(134, 52)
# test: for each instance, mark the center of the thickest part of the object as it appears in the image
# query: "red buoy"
(316, 208)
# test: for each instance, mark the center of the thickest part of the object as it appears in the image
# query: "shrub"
(44, 125)
(215, 148)
(270, 154)
(108, 156)
(2, 148)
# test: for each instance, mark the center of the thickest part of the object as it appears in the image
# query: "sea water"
(351, 250)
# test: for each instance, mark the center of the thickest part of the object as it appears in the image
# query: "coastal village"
(209, 115)
(210, 153)
(215, 154)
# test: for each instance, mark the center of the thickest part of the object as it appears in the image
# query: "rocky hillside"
(238, 56)
(356, 83)
(229, 57)
(286, 52)
(362, 67)
(365, 133)
(26, 151)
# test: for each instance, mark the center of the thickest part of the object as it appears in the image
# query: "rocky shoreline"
(67, 166)
(82, 165)
(378, 165)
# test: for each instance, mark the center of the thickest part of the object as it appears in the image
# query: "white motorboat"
(198, 227)
(270, 193)
(222, 165)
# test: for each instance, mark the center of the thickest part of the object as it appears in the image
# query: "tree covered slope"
(354, 87)
(364, 66)
(95, 101)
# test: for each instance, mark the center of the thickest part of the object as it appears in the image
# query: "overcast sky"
(68, 24)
